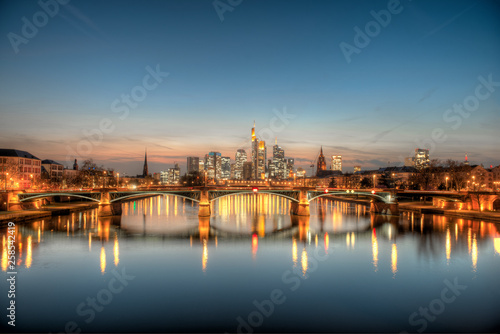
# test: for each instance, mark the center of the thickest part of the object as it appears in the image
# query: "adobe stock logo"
(29, 29)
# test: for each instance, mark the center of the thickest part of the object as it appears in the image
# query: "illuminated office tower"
(193, 164)
(336, 163)
(240, 158)
(421, 158)
(259, 154)
(213, 165)
(225, 168)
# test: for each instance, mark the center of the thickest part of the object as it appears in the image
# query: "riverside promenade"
(46, 211)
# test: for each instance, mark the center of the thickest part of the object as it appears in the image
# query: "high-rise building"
(336, 163)
(279, 165)
(213, 165)
(321, 162)
(145, 171)
(259, 156)
(240, 158)
(174, 174)
(225, 168)
(247, 170)
(290, 167)
(193, 164)
(202, 165)
(421, 158)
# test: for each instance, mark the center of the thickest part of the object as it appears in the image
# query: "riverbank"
(428, 208)
(55, 209)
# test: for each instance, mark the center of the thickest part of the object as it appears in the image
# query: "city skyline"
(68, 83)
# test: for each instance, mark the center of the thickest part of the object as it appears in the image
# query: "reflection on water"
(165, 235)
(260, 217)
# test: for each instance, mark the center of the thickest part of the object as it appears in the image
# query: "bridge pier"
(302, 207)
(204, 206)
(384, 208)
(106, 208)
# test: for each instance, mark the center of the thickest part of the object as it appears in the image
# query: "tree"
(366, 182)
(332, 183)
(192, 179)
(90, 173)
(458, 173)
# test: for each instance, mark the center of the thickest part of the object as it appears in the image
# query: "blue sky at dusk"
(265, 58)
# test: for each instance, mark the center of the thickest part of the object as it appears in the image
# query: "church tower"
(145, 171)
(321, 162)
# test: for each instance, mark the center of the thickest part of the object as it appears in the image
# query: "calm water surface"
(251, 267)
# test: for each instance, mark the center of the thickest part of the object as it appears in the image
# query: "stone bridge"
(110, 200)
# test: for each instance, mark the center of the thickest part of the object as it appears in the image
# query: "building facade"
(421, 158)
(18, 169)
(336, 163)
(321, 163)
(240, 159)
(213, 166)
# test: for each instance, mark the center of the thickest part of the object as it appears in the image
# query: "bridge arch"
(28, 198)
(149, 194)
(378, 198)
(244, 192)
(495, 206)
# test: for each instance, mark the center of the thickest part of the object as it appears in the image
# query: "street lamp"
(6, 174)
(104, 180)
(447, 182)
(117, 179)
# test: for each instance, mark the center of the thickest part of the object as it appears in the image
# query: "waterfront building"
(52, 170)
(18, 168)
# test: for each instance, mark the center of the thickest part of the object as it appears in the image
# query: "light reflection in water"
(4, 254)
(375, 250)
(474, 253)
(28, 252)
(103, 260)
(294, 252)
(116, 251)
(448, 245)
(204, 257)
(394, 259)
(496, 243)
(255, 245)
(327, 242)
(303, 261)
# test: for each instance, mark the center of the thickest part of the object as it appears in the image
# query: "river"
(252, 267)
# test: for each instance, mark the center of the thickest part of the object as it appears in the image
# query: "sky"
(368, 80)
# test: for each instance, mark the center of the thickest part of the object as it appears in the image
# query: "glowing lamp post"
(447, 183)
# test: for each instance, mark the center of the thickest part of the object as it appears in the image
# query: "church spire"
(145, 171)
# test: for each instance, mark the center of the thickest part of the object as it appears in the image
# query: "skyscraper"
(278, 164)
(193, 164)
(145, 171)
(225, 168)
(336, 163)
(290, 167)
(421, 158)
(213, 165)
(240, 158)
(259, 156)
(321, 162)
